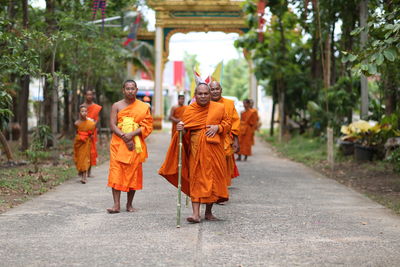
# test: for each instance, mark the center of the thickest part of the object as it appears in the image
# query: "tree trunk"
(74, 103)
(24, 91)
(66, 125)
(271, 129)
(390, 89)
(23, 110)
(6, 148)
(281, 83)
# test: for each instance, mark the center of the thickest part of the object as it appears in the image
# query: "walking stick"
(178, 204)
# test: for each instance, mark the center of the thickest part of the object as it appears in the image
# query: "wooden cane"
(178, 204)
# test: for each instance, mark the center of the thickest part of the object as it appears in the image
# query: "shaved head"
(215, 90)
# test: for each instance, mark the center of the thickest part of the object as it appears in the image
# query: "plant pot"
(347, 148)
(363, 153)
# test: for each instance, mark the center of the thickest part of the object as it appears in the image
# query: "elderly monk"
(231, 142)
(131, 123)
(248, 125)
(82, 143)
(176, 113)
(93, 111)
(205, 125)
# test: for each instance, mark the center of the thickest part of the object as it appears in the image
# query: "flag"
(179, 74)
(133, 31)
(196, 80)
(217, 74)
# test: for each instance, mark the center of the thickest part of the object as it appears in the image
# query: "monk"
(231, 142)
(130, 123)
(93, 114)
(205, 125)
(82, 143)
(176, 113)
(258, 124)
(248, 124)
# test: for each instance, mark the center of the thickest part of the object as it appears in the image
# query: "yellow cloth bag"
(128, 125)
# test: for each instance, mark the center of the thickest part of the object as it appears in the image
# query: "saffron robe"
(256, 125)
(82, 144)
(177, 113)
(203, 158)
(125, 165)
(232, 170)
(248, 125)
(93, 112)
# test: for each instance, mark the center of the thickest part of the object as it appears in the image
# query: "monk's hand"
(235, 146)
(127, 137)
(180, 126)
(130, 145)
(211, 130)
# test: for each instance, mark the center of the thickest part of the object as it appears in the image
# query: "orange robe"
(178, 113)
(82, 144)
(203, 158)
(248, 124)
(93, 112)
(232, 170)
(256, 125)
(126, 166)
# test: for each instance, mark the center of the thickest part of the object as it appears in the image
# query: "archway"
(183, 16)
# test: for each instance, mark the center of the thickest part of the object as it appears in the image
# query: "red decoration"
(133, 30)
(261, 21)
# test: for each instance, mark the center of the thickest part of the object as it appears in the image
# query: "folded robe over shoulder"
(232, 170)
(203, 159)
(82, 144)
(126, 165)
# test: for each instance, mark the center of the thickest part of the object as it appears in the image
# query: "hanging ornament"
(261, 21)
(99, 4)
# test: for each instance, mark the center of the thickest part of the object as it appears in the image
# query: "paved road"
(280, 214)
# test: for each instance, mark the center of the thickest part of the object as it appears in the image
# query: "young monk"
(131, 123)
(176, 113)
(204, 124)
(248, 124)
(231, 142)
(93, 111)
(82, 143)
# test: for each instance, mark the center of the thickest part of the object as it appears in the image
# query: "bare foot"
(83, 181)
(193, 219)
(112, 210)
(130, 209)
(210, 217)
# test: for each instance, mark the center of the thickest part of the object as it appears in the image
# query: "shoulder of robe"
(141, 104)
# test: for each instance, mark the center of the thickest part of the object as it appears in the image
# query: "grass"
(18, 184)
(300, 148)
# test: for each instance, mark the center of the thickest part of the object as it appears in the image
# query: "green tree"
(235, 79)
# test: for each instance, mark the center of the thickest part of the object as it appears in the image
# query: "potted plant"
(362, 135)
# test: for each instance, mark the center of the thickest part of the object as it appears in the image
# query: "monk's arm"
(171, 115)
(113, 121)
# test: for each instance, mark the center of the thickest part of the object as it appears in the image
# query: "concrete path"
(280, 214)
